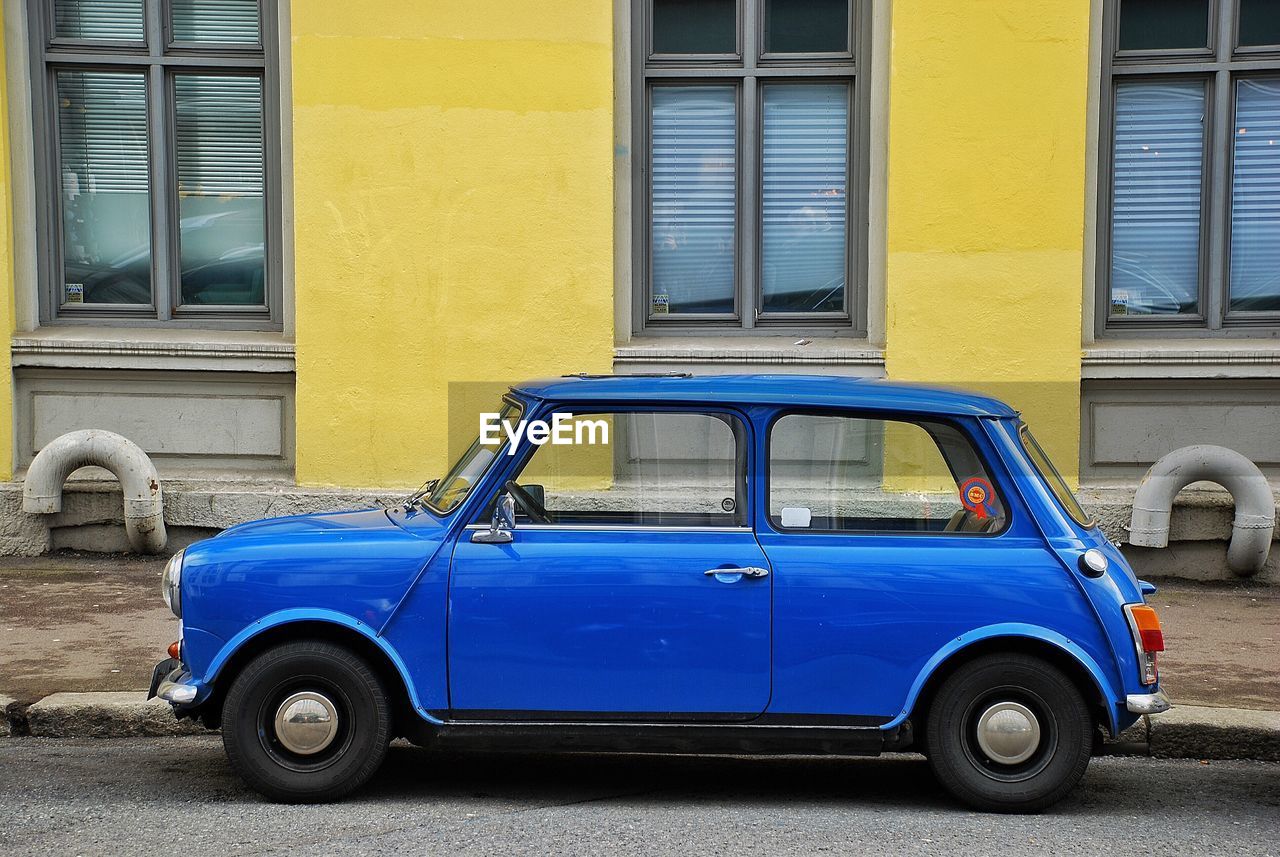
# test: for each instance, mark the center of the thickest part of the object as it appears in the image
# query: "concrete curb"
(1197, 732)
(5, 729)
(1202, 732)
(104, 715)
(1186, 731)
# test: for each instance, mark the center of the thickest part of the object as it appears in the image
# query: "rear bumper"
(1147, 703)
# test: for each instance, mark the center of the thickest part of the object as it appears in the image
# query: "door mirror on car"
(501, 526)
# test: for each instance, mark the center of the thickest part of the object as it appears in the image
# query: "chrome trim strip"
(602, 725)
(1147, 703)
(623, 528)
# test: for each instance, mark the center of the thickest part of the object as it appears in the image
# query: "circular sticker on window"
(976, 496)
(728, 504)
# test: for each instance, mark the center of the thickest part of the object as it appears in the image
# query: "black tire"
(1027, 684)
(360, 736)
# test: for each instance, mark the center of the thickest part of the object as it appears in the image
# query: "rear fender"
(1014, 631)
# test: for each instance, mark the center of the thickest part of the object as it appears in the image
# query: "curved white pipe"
(143, 504)
(1255, 518)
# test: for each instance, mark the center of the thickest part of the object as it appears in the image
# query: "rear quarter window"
(846, 473)
(1054, 479)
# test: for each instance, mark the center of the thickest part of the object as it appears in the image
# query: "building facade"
(270, 241)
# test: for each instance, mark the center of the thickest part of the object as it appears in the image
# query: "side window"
(641, 469)
(850, 474)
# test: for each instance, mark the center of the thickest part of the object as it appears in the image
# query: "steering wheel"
(532, 507)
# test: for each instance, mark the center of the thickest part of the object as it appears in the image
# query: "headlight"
(171, 584)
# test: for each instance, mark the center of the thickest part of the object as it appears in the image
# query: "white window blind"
(219, 134)
(215, 21)
(694, 199)
(102, 131)
(1255, 198)
(805, 171)
(98, 20)
(1155, 240)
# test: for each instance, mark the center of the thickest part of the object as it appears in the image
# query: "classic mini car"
(732, 564)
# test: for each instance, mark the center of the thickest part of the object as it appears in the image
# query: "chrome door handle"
(748, 571)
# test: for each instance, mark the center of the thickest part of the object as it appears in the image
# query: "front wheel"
(306, 722)
(1009, 733)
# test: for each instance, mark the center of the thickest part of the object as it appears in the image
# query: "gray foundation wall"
(92, 520)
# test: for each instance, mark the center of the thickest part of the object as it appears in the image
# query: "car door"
(640, 593)
(890, 538)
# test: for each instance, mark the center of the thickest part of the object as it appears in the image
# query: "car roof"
(785, 390)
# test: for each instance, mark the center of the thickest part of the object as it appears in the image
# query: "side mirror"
(501, 526)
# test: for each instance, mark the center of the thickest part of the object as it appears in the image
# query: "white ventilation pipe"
(143, 505)
(1255, 518)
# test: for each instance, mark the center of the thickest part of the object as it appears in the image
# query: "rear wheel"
(306, 721)
(1009, 733)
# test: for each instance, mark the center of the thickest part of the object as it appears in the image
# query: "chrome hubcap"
(306, 723)
(1008, 733)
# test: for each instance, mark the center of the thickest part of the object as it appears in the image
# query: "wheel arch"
(336, 628)
(1080, 667)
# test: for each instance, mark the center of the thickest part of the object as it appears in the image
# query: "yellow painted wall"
(7, 312)
(453, 202)
(987, 112)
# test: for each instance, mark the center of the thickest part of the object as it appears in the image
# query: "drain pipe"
(143, 506)
(1255, 518)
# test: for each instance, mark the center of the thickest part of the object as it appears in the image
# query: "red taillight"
(1148, 639)
(175, 649)
(1147, 624)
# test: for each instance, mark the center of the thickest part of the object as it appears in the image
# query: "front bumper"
(171, 681)
(1147, 703)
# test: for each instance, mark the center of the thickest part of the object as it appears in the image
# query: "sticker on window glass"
(73, 293)
(1119, 302)
(976, 496)
(660, 305)
(797, 516)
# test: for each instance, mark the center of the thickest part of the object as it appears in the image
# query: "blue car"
(727, 564)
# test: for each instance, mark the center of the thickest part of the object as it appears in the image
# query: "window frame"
(994, 476)
(159, 59)
(1219, 67)
(740, 425)
(748, 73)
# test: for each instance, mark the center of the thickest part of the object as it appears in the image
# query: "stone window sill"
(143, 348)
(773, 350)
(1182, 358)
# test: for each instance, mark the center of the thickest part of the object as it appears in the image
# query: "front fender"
(204, 683)
(1014, 630)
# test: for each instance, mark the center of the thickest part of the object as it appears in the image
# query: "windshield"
(450, 491)
(1054, 479)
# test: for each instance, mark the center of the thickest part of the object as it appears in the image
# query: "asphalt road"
(177, 796)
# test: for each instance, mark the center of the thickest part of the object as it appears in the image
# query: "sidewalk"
(87, 623)
(80, 622)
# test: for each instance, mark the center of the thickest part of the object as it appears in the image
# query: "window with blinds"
(746, 163)
(694, 199)
(161, 162)
(1190, 203)
(220, 162)
(805, 169)
(1255, 198)
(1155, 232)
(232, 22)
(98, 20)
(106, 214)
